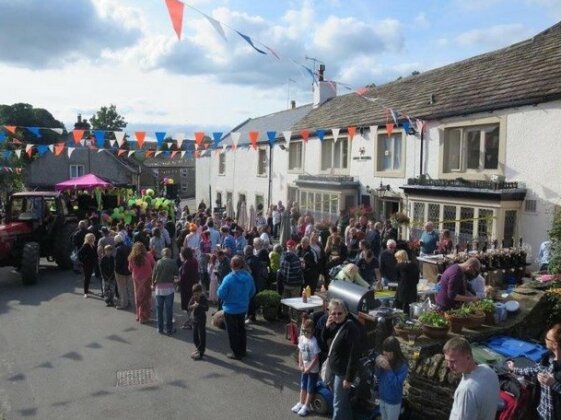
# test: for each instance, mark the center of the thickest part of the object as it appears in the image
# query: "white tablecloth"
(314, 302)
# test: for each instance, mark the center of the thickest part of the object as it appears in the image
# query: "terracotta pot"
(489, 318)
(474, 321)
(456, 323)
(435, 332)
(405, 333)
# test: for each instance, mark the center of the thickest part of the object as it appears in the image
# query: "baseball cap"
(291, 243)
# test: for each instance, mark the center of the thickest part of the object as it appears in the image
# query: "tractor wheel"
(30, 263)
(63, 246)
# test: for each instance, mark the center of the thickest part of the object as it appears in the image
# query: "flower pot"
(489, 318)
(270, 313)
(435, 332)
(474, 321)
(456, 322)
(406, 333)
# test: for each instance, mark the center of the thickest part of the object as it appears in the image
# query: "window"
(241, 197)
(218, 199)
(390, 153)
(229, 197)
(259, 200)
(509, 228)
(530, 206)
(221, 164)
(335, 155)
(261, 162)
(466, 226)
(321, 205)
(485, 225)
(76, 171)
(295, 155)
(474, 148)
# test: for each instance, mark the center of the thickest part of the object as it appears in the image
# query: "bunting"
(253, 137)
(250, 42)
(175, 9)
(335, 132)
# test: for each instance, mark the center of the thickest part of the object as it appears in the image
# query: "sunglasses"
(337, 313)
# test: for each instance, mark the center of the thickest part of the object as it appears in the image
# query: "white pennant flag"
(223, 148)
(373, 132)
(112, 143)
(59, 131)
(51, 147)
(130, 153)
(169, 143)
(100, 150)
(18, 153)
(83, 142)
(235, 138)
(70, 150)
(120, 137)
(335, 132)
(180, 142)
(287, 135)
(217, 26)
(182, 154)
(158, 153)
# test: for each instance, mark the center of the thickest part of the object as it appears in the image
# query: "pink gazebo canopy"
(87, 181)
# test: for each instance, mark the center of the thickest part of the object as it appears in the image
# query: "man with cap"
(291, 273)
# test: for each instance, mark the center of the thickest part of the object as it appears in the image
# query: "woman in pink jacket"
(141, 264)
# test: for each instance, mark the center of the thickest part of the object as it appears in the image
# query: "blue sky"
(74, 56)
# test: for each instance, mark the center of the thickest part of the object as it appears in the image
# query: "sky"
(75, 56)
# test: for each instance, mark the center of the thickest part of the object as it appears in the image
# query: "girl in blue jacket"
(391, 371)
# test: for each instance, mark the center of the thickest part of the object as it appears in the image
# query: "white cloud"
(494, 36)
(421, 20)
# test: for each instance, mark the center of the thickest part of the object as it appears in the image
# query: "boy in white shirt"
(308, 362)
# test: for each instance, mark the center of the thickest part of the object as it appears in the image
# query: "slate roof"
(279, 121)
(528, 72)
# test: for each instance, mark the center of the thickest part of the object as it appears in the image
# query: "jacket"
(291, 269)
(407, 276)
(165, 270)
(122, 260)
(236, 290)
(344, 356)
(387, 265)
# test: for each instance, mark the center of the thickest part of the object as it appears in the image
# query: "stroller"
(363, 392)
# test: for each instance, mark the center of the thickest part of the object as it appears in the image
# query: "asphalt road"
(60, 356)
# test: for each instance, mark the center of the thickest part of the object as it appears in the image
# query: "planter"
(474, 321)
(435, 332)
(489, 318)
(405, 333)
(456, 323)
(270, 313)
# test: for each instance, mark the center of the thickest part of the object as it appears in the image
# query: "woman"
(342, 337)
(87, 255)
(157, 243)
(391, 371)
(188, 276)
(444, 246)
(335, 255)
(141, 264)
(310, 262)
(548, 374)
(367, 263)
(164, 289)
(205, 249)
(213, 275)
(192, 240)
(407, 276)
(350, 273)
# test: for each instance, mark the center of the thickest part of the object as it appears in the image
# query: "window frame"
(390, 173)
(76, 166)
(344, 167)
(292, 145)
(222, 164)
(262, 162)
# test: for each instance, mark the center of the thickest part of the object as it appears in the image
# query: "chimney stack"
(292, 104)
(323, 90)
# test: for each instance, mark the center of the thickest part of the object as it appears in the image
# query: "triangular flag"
(180, 142)
(182, 154)
(287, 136)
(160, 136)
(35, 131)
(59, 131)
(51, 147)
(121, 152)
(11, 128)
(140, 136)
(199, 136)
(235, 138)
(217, 26)
(253, 136)
(310, 72)
(120, 137)
(352, 132)
(169, 144)
(335, 132)
(395, 116)
(158, 153)
(406, 126)
(112, 143)
(250, 42)
(2, 136)
(373, 132)
(305, 134)
(272, 51)
(149, 153)
(29, 149)
(389, 128)
(7, 154)
(77, 135)
(59, 147)
(271, 135)
(216, 137)
(99, 137)
(361, 91)
(175, 9)
(420, 125)
(18, 153)
(173, 153)
(320, 132)
(130, 153)
(100, 150)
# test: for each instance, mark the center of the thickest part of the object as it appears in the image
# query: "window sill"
(470, 176)
(390, 174)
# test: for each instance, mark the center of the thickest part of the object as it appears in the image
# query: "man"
(388, 232)
(291, 271)
(164, 232)
(236, 290)
(260, 276)
(429, 239)
(122, 273)
(477, 395)
(388, 264)
(453, 284)
(240, 240)
(214, 234)
(374, 238)
(228, 241)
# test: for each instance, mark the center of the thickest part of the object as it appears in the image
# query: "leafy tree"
(24, 115)
(107, 118)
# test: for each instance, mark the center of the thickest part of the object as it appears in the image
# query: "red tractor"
(36, 224)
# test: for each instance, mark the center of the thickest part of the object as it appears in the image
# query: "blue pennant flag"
(35, 131)
(250, 42)
(166, 154)
(160, 136)
(216, 137)
(320, 132)
(271, 135)
(405, 124)
(41, 149)
(7, 154)
(99, 138)
(2, 136)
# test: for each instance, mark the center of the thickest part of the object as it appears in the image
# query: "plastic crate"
(513, 347)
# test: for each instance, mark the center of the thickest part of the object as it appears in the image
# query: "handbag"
(326, 374)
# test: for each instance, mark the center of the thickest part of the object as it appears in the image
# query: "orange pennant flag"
(140, 136)
(199, 136)
(253, 136)
(389, 128)
(149, 153)
(352, 132)
(59, 147)
(305, 134)
(29, 151)
(11, 128)
(77, 134)
(121, 152)
(175, 9)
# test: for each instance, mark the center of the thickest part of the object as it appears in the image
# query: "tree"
(24, 115)
(107, 118)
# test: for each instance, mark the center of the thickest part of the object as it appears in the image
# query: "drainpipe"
(270, 174)
(421, 155)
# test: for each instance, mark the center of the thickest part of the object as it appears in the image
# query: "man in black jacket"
(122, 273)
(291, 272)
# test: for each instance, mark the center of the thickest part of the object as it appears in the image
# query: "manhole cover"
(134, 377)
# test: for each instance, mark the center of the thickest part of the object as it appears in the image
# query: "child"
(274, 258)
(308, 362)
(391, 371)
(107, 266)
(199, 305)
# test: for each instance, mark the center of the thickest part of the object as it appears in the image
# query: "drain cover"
(134, 377)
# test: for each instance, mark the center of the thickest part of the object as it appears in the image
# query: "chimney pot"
(293, 104)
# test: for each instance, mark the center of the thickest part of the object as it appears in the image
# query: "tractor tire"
(30, 263)
(63, 246)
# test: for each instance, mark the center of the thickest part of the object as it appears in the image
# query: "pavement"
(66, 357)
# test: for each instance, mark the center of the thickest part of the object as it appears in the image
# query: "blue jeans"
(164, 302)
(389, 411)
(341, 400)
